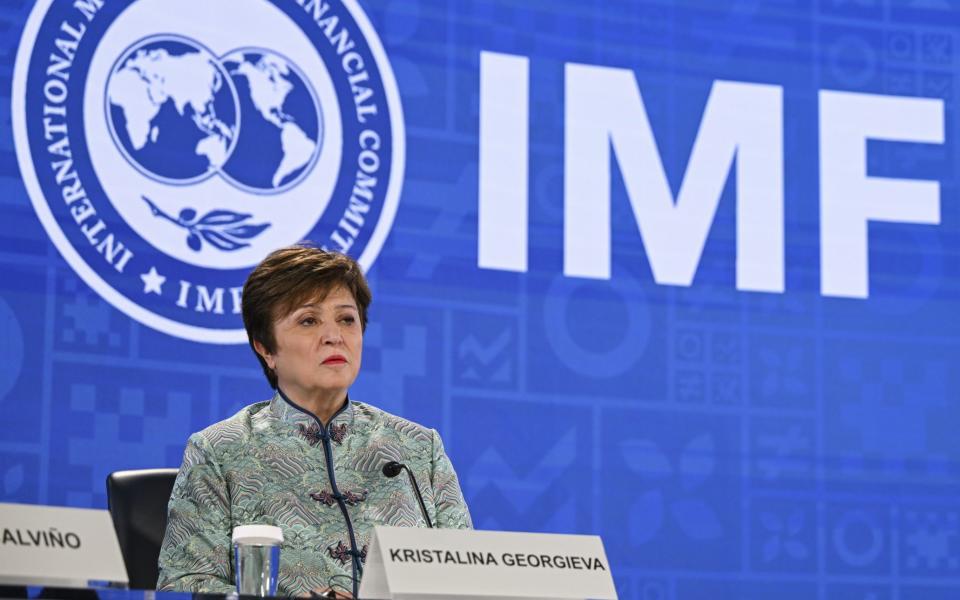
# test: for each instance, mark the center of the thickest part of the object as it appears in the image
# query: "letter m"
(89, 8)
(741, 121)
(207, 302)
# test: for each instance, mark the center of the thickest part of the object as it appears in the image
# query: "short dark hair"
(287, 278)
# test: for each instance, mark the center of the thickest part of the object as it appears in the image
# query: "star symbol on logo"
(152, 281)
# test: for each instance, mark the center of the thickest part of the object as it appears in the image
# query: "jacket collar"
(287, 411)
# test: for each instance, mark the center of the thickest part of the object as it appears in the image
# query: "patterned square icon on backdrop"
(672, 480)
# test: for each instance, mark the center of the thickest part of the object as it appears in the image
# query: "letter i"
(504, 141)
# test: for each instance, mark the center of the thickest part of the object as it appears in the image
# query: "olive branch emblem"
(223, 229)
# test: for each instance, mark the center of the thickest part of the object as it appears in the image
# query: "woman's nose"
(330, 333)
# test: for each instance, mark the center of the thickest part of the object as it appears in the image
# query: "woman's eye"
(308, 321)
(348, 320)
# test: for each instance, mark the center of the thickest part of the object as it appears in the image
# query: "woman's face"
(318, 347)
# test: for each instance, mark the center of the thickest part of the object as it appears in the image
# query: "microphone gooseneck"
(392, 469)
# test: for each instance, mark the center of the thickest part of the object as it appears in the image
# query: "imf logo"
(169, 145)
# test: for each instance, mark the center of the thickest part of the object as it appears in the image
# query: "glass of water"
(256, 552)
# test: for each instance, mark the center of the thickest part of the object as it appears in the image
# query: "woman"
(310, 459)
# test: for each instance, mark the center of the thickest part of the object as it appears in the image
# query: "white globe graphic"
(172, 109)
(282, 128)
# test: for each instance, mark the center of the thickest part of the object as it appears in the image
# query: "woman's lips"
(335, 360)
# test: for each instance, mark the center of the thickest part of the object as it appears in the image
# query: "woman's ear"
(262, 351)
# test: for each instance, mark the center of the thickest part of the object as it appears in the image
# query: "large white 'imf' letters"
(742, 123)
(742, 120)
(849, 199)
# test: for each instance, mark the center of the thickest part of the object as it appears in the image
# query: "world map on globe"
(281, 121)
(181, 114)
(172, 109)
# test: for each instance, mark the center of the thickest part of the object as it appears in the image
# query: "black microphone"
(392, 469)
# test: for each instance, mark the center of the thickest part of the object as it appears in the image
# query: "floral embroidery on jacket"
(338, 432)
(349, 498)
(312, 434)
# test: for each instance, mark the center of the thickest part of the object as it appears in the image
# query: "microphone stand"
(392, 469)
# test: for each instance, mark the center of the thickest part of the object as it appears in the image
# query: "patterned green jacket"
(275, 464)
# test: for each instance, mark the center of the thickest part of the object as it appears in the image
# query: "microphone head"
(392, 469)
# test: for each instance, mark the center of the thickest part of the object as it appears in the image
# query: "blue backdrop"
(792, 437)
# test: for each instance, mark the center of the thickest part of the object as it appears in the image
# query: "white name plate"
(56, 546)
(459, 563)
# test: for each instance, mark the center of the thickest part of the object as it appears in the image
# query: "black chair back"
(138, 504)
